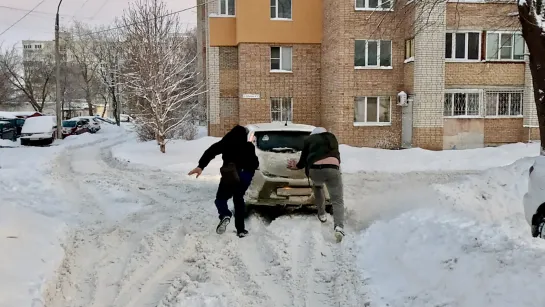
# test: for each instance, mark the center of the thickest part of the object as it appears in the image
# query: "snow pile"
(356, 159)
(9, 143)
(31, 251)
(184, 155)
(471, 247)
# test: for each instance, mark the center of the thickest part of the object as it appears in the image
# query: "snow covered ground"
(423, 229)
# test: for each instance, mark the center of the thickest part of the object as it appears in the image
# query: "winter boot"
(222, 226)
(322, 217)
(339, 234)
(242, 234)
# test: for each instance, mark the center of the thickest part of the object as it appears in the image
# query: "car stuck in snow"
(534, 199)
(273, 183)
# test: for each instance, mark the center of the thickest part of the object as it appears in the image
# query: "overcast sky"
(40, 24)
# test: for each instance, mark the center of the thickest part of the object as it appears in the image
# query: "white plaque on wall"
(250, 96)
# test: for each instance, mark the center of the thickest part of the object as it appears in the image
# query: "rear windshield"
(69, 123)
(281, 141)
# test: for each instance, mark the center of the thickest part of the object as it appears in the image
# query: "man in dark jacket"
(321, 160)
(239, 165)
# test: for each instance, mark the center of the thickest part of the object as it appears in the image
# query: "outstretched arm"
(210, 154)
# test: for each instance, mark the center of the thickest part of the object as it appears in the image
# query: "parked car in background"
(125, 118)
(16, 122)
(8, 131)
(39, 130)
(274, 184)
(106, 120)
(94, 123)
(74, 127)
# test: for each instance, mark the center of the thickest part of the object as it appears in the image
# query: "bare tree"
(532, 18)
(107, 49)
(32, 77)
(161, 71)
(80, 47)
(6, 88)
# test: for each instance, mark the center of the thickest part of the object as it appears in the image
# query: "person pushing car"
(321, 160)
(239, 165)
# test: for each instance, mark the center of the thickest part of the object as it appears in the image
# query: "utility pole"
(58, 75)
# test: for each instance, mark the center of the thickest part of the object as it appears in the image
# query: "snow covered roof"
(278, 126)
(39, 124)
(7, 115)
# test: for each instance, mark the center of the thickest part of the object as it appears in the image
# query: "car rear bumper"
(37, 137)
(279, 191)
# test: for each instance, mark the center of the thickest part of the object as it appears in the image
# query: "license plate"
(293, 191)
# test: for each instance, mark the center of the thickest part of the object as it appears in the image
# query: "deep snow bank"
(33, 220)
(31, 251)
(184, 155)
(470, 248)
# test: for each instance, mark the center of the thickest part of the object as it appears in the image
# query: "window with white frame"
(27, 46)
(409, 48)
(227, 7)
(281, 9)
(281, 58)
(373, 53)
(281, 109)
(504, 46)
(504, 103)
(462, 104)
(463, 45)
(372, 110)
(374, 4)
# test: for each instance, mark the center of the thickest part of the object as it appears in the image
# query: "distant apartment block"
(377, 73)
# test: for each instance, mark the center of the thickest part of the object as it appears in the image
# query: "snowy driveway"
(144, 235)
(147, 239)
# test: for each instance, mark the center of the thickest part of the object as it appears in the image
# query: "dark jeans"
(237, 191)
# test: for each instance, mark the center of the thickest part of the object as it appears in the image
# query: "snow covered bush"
(160, 72)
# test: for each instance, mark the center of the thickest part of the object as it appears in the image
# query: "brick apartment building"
(430, 74)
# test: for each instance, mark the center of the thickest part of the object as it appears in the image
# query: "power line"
(138, 22)
(84, 3)
(37, 5)
(100, 9)
(26, 10)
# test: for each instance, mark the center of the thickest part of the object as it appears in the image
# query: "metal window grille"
(462, 104)
(504, 102)
(281, 109)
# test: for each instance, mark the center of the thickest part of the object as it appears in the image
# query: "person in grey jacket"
(321, 160)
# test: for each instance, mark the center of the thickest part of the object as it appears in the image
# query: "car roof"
(278, 126)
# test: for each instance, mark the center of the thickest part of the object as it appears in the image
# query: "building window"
(409, 49)
(373, 53)
(374, 4)
(280, 9)
(281, 109)
(461, 104)
(227, 7)
(372, 110)
(38, 46)
(463, 46)
(504, 46)
(504, 103)
(281, 59)
(27, 46)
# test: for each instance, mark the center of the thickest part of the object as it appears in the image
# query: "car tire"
(538, 223)
(24, 142)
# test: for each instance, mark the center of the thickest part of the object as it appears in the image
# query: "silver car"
(273, 183)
